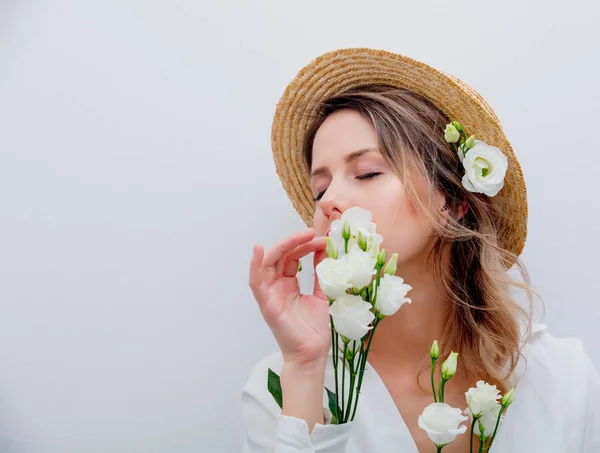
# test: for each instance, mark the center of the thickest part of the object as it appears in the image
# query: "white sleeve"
(267, 430)
(591, 436)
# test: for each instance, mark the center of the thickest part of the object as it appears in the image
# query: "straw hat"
(341, 70)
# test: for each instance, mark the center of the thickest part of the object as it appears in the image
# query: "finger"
(255, 280)
(290, 266)
(320, 255)
(279, 250)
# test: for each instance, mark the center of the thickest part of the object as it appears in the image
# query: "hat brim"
(338, 71)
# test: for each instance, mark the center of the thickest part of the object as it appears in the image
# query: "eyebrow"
(349, 158)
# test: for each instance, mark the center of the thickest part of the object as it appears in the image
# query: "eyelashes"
(369, 175)
(366, 176)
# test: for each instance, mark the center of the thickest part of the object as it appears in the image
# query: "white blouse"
(556, 409)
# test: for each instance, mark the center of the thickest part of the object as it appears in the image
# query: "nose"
(333, 203)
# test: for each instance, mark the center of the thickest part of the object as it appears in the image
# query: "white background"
(136, 174)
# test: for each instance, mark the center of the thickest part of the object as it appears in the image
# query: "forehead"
(343, 132)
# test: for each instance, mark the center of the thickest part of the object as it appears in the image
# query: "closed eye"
(369, 175)
(360, 177)
(320, 195)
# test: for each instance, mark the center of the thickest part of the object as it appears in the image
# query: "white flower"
(488, 420)
(391, 294)
(362, 267)
(359, 220)
(482, 398)
(485, 169)
(441, 423)
(351, 316)
(451, 134)
(334, 277)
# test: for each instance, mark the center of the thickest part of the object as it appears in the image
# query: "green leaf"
(333, 407)
(274, 386)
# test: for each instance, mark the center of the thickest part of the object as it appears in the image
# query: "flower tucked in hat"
(485, 166)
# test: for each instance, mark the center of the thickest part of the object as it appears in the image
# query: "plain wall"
(136, 175)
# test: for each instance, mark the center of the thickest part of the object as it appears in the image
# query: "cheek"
(406, 230)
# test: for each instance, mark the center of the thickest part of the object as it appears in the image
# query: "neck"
(405, 338)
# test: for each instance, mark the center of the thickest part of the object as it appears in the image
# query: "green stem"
(442, 385)
(376, 285)
(352, 379)
(472, 431)
(432, 381)
(334, 345)
(363, 363)
(482, 445)
(439, 448)
(344, 377)
(496, 428)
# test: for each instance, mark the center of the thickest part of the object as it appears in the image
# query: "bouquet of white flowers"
(362, 290)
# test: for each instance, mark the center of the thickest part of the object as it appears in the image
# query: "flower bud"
(391, 266)
(449, 366)
(451, 134)
(362, 241)
(349, 355)
(470, 142)
(346, 230)
(331, 249)
(481, 434)
(434, 353)
(458, 126)
(381, 259)
(508, 398)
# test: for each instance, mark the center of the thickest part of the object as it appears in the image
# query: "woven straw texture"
(341, 70)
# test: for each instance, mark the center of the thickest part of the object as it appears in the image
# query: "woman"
(368, 128)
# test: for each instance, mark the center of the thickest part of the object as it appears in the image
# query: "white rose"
(362, 267)
(359, 220)
(483, 398)
(334, 277)
(391, 294)
(441, 423)
(485, 169)
(488, 421)
(351, 316)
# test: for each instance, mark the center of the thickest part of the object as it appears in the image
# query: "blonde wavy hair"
(485, 321)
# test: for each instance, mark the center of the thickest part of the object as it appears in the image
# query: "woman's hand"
(300, 323)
